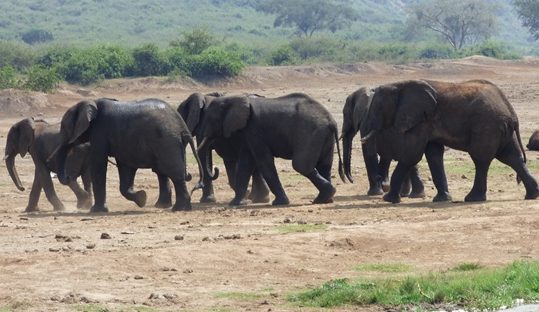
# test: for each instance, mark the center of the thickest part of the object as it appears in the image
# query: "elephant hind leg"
(165, 194)
(479, 189)
(511, 156)
(259, 188)
(84, 200)
(127, 178)
(418, 189)
(183, 199)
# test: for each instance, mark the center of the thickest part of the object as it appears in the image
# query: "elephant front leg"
(208, 195)
(34, 194)
(99, 182)
(418, 189)
(479, 189)
(165, 193)
(127, 178)
(398, 176)
(371, 164)
(259, 188)
(84, 200)
(241, 175)
(435, 158)
(48, 187)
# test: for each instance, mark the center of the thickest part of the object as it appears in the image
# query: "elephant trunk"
(61, 157)
(204, 149)
(347, 151)
(10, 164)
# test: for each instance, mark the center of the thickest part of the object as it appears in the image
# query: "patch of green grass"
(384, 267)
(16, 306)
(300, 228)
(486, 288)
(467, 266)
(91, 308)
(240, 296)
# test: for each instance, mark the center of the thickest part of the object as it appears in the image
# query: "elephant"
(533, 143)
(39, 138)
(354, 114)
(141, 134)
(293, 126)
(192, 111)
(423, 116)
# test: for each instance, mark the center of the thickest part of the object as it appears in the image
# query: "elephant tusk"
(368, 136)
(202, 144)
(6, 157)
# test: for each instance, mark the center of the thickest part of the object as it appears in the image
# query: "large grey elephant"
(293, 127)
(192, 111)
(472, 116)
(39, 139)
(142, 134)
(354, 115)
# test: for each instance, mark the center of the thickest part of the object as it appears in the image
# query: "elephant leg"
(266, 165)
(383, 173)
(398, 176)
(165, 194)
(435, 158)
(244, 168)
(183, 198)
(231, 167)
(511, 156)
(259, 188)
(87, 181)
(479, 189)
(99, 180)
(418, 189)
(127, 178)
(371, 164)
(321, 178)
(406, 186)
(84, 200)
(34, 194)
(208, 195)
(48, 187)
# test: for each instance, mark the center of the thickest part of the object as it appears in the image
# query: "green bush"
(319, 48)
(148, 61)
(215, 62)
(16, 55)
(8, 78)
(56, 55)
(492, 48)
(176, 61)
(284, 56)
(436, 51)
(195, 41)
(40, 78)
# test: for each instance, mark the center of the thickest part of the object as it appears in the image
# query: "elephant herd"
(399, 121)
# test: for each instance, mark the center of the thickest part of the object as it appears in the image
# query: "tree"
(194, 41)
(308, 16)
(528, 10)
(458, 22)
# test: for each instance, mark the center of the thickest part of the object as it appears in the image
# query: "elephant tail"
(521, 148)
(200, 183)
(341, 170)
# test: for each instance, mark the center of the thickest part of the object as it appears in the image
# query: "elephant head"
(354, 112)
(74, 131)
(192, 109)
(19, 139)
(401, 106)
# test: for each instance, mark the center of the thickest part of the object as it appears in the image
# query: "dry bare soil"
(220, 259)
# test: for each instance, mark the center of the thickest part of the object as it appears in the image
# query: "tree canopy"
(309, 16)
(528, 10)
(458, 22)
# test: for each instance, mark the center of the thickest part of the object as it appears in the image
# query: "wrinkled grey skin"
(192, 111)
(39, 139)
(354, 115)
(533, 143)
(142, 134)
(293, 127)
(424, 116)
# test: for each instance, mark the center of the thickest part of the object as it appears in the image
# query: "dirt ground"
(220, 259)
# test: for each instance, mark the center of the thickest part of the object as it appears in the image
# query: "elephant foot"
(280, 201)
(392, 198)
(417, 194)
(441, 197)
(259, 198)
(326, 196)
(238, 202)
(182, 207)
(385, 186)
(208, 199)
(59, 207)
(374, 191)
(84, 203)
(99, 209)
(471, 197)
(140, 198)
(532, 195)
(31, 209)
(163, 204)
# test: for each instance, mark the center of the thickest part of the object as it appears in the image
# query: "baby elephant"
(533, 144)
(39, 139)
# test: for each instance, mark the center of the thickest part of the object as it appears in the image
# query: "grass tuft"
(467, 266)
(481, 288)
(240, 296)
(384, 267)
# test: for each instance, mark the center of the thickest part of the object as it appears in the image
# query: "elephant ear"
(77, 120)
(236, 114)
(25, 138)
(416, 104)
(190, 110)
(361, 107)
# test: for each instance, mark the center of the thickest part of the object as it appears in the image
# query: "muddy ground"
(220, 259)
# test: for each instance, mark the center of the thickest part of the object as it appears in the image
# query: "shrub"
(177, 61)
(321, 48)
(148, 61)
(37, 36)
(40, 78)
(215, 62)
(19, 56)
(436, 51)
(283, 56)
(56, 55)
(8, 78)
(492, 48)
(195, 41)
(81, 68)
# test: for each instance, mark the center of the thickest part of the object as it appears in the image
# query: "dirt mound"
(19, 103)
